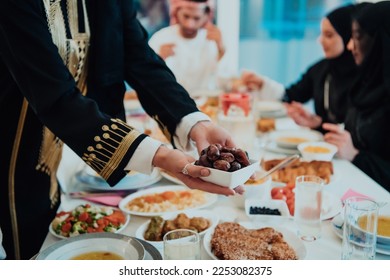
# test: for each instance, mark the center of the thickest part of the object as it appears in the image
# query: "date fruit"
(223, 158)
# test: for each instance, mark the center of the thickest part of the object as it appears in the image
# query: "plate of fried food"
(322, 169)
(165, 200)
(245, 241)
(154, 229)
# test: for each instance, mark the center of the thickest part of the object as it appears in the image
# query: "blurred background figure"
(153, 14)
(193, 46)
(366, 139)
(326, 82)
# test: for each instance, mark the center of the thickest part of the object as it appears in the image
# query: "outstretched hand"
(206, 133)
(174, 161)
(251, 80)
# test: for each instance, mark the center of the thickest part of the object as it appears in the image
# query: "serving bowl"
(317, 151)
(232, 179)
(103, 245)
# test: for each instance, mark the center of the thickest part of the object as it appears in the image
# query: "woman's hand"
(342, 139)
(301, 116)
(175, 161)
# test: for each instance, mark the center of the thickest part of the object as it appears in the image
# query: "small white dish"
(232, 179)
(317, 151)
(272, 204)
(126, 247)
(209, 215)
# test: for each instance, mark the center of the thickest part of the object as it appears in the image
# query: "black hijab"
(341, 21)
(373, 84)
(341, 69)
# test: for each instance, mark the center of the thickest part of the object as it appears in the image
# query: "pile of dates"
(223, 158)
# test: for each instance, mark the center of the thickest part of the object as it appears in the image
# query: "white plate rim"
(210, 199)
(137, 245)
(97, 183)
(299, 250)
(208, 214)
(171, 178)
(51, 230)
(314, 135)
(273, 147)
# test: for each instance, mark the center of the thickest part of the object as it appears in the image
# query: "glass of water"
(181, 244)
(360, 229)
(308, 206)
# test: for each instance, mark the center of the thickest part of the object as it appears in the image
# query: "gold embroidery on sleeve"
(163, 127)
(110, 147)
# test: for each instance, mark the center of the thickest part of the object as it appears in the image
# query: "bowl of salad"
(88, 218)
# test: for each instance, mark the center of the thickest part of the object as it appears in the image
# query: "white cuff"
(142, 158)
(271, 89)
(181, 137)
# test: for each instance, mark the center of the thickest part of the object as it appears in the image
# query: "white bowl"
(317, 151)
(211, 216)
(256, 189)
(126, 247)
(232, 179)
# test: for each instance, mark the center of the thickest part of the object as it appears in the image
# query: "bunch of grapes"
(223, 158)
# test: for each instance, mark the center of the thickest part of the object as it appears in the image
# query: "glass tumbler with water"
(181, 244)
(359, 229)
(308, 206)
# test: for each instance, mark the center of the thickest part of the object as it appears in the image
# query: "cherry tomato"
(83, 216)
(66, 227)
(276, 191)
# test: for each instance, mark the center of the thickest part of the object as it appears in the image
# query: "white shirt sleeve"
(271, 89)
(181, 138)
(142, 158)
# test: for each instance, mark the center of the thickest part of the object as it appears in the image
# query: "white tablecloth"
(328, 247)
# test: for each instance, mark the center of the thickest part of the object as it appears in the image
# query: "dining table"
(346, 178)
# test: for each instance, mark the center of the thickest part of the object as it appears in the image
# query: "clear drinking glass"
(360, 229)
(181, 244)
(308, 205)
